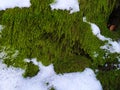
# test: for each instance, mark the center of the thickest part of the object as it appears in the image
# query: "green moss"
(52, 88)
(11, 56)
(58, 37)
(109, 79)
(40, 32)
(71, 64)
(30, 70)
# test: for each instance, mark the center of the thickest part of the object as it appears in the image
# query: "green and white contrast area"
(58, 45)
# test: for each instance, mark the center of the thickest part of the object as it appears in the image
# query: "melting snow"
(11, 79)
(71, 5)
(111, 46)
(4, 4)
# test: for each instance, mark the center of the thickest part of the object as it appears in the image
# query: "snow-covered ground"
(70, 5)
(11, 79)
(111, 46)
(4, 4)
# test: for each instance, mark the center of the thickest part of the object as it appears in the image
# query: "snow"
(4, 4)
(76, 81)
(111, 46)
(11, 79)
(70, 5)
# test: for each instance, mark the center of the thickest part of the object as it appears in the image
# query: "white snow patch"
(11, 79)
(70, 5)
(76, 81)
(4, 4)
(111, 46)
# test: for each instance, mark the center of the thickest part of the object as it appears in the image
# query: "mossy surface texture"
(60, 38)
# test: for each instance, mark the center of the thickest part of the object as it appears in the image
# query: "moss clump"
(30, 70)
(71, 64)
(58, 37)
(109, 79)
(48, 35)
(52, 88)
